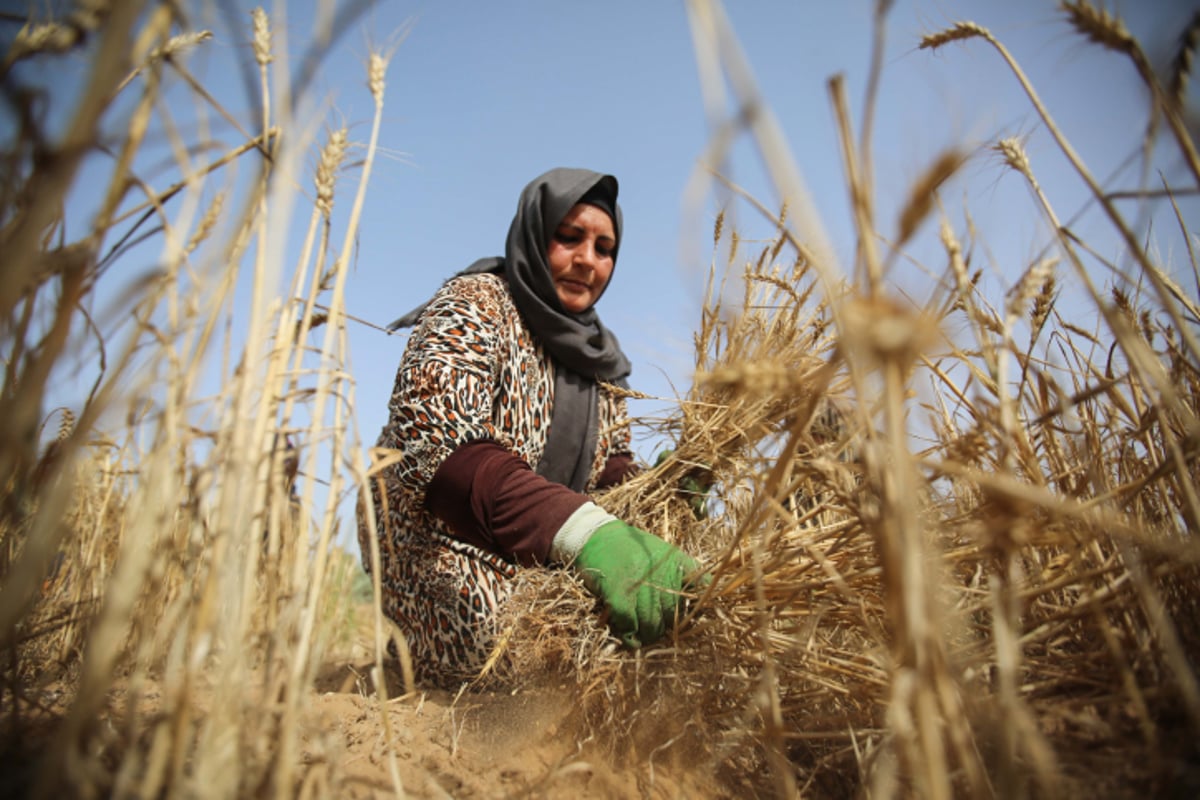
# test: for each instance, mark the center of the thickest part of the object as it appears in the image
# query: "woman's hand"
(639, 578)
(693, 487)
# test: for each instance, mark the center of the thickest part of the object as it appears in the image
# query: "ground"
(527, 744)
(471, 744)
(479, 744)
(475, 746)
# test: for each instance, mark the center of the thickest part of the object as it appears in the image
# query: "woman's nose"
(585, 255)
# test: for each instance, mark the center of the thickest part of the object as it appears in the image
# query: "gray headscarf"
(584, 351)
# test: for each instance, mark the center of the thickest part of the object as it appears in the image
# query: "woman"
(502, 425)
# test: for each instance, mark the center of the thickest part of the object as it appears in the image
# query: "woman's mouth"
(574, 285)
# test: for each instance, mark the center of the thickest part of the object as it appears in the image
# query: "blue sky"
(483, 96)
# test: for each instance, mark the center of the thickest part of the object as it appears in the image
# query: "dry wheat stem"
(1133, 346)
(957, 32)
(320, 219)
(802, 250)
(1109, 31)
(156, 30)
(1181, 65)
(1089, 511)
(156, 200)
(923, 193)
(1167, 636)
(173, 743)
(713, 33)
(54, 36)
(175, 46)
(334, 330)
(859, 191)
(262, 143)
(870, 97)
(1188, 241)
(337, 302)
(22, 235)
(784, 663)
(1134, 247)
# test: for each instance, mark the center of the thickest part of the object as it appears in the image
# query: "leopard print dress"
(472, 370)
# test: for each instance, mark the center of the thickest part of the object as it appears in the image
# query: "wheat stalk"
(57, 37)
(924, 191)
(1181, 64)
(1110, 32)
(223, 627)
(1099, 26)
(958, 32)
(262, 37)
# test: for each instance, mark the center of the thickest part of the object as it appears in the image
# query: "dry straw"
(168, 578)
(1181, 65)
(1008, 611)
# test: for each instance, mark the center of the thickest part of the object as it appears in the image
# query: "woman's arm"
(491, 498)
(445, 384)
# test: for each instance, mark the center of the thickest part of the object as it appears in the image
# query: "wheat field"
(950, 539)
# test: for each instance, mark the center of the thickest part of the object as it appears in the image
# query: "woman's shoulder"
(489, 282)
(485, 290)
(484, 298)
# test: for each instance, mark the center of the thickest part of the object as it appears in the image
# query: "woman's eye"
(565, 238)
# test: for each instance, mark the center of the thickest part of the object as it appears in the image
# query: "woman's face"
(581, 254)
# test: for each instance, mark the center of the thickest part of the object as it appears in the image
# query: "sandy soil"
(480, 745)
(476, 744)
(440, 745)
(524, 744)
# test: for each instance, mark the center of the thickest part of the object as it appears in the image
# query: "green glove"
(637, 576)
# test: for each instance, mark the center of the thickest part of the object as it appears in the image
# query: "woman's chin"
(575, 303)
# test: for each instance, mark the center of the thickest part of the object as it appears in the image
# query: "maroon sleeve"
(490, 498)
(619, 468)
